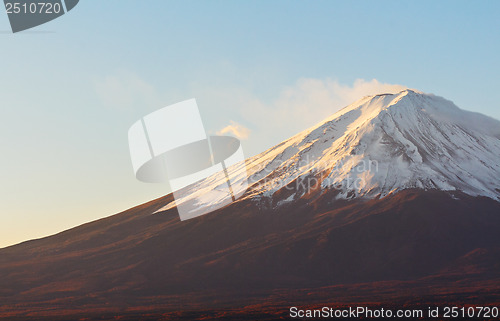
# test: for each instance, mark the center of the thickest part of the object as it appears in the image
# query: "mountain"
(420, 228)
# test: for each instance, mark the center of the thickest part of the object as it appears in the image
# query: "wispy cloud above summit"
(310, 100)
(306, 103)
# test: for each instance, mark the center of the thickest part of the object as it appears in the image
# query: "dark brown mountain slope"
(424, 243)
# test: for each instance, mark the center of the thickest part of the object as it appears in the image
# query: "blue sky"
(71, 88)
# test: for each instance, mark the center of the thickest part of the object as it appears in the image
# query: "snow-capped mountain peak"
(376, 146)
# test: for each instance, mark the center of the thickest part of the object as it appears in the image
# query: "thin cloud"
(235, 129)
(311, 100)
(125, 90)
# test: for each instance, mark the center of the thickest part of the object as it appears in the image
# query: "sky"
(260, 70)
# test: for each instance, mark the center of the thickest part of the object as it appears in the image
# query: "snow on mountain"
(376, 146)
